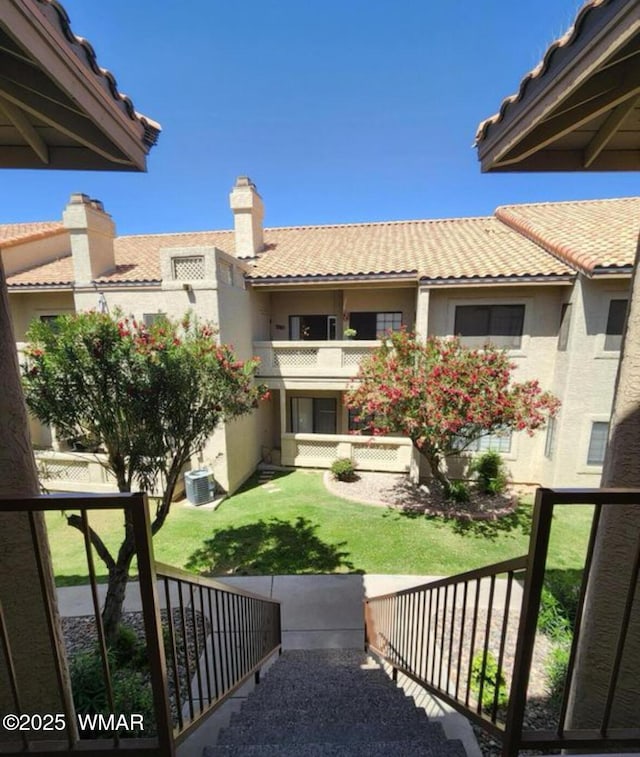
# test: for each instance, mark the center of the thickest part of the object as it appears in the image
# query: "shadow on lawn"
(518, 520)
(273, 547)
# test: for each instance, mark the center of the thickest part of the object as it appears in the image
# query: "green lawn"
(304, 529)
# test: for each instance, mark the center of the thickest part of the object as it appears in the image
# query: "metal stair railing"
(452, 636)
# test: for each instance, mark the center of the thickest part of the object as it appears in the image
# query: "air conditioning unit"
(200, 486)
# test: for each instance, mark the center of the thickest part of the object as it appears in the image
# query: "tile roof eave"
(83, 48)
(571, 36)
(527, 278)
(31, 286)
(33, 237)
(329, 278)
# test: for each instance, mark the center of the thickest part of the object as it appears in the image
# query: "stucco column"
(24, 608)
(614, 555)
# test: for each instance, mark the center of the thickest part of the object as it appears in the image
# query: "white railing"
(375, 453)
(321, 359)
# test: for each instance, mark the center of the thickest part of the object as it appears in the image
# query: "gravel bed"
(80, 635)
(395, 490)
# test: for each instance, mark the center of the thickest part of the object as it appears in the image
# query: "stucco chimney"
(248, 212)
(92, 232)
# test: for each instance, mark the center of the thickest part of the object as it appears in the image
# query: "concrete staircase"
(337, 702)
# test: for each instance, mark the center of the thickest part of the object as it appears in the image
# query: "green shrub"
(490, 469)
(457, 491)
(343, 469)
(556, 667)
(552, 619)
(128, 650)
(565, 587)
(131, 692)
(490, 680)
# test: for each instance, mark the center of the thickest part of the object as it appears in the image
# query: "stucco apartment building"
(549, 282)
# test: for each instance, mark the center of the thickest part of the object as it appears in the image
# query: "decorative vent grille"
(317, 449)
(299, 357)
(374, 453)
(64, 471)
(351, 358)
(188, 269)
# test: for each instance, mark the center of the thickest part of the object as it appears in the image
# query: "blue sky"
(340, 110)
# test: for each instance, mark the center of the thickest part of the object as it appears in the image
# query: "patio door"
(313, 415)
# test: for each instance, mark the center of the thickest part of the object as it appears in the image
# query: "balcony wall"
(388, 453)
(312, 359)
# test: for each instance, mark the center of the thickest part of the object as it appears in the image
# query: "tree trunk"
(435, 461)
(118, 578)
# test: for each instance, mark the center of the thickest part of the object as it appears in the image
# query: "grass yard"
(296, 526)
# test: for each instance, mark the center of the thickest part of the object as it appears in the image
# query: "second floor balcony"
(312, 359)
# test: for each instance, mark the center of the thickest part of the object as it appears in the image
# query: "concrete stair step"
(385, 701)
(297, 696)
(337, 733)
(406, 748)
(355, 712)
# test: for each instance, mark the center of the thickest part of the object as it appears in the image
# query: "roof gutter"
(464, 281)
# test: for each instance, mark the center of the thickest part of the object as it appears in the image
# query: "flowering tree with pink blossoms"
(444, 396)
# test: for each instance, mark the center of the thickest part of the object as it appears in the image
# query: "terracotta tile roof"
(593, 236)
(137, 257)
(460, 247)
(83, 50)
(21, 233)
(538, 73)
(55, 273)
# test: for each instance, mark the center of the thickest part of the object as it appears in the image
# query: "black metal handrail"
(213, 636)
(218, 635)
(135, 509)
(430, 634)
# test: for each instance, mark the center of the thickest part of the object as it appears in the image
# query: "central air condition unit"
(200, 486)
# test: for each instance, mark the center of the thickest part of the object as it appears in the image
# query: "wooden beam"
(24, 126)
(74, 125)
(556, 126)
(608, 129)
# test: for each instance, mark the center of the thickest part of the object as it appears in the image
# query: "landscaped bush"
(457, 491)
(489, 681)
(558, 606)
(490, 469)
(343, 469)
(128, 650)
(131, 691)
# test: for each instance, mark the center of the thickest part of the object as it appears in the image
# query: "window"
(615, 325)
(313, 415)
(563, 332)
(499, 324)
(319, 328)
(150, 318)
(549, 442)
(188, 268)
(498, 442)
(597, 443)
(374, 325)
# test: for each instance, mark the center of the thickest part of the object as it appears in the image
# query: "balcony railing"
(434, 632)
(202, 640)
(312, 359)
(376, 453)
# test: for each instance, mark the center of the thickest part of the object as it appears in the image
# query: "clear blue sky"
(340, 110)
